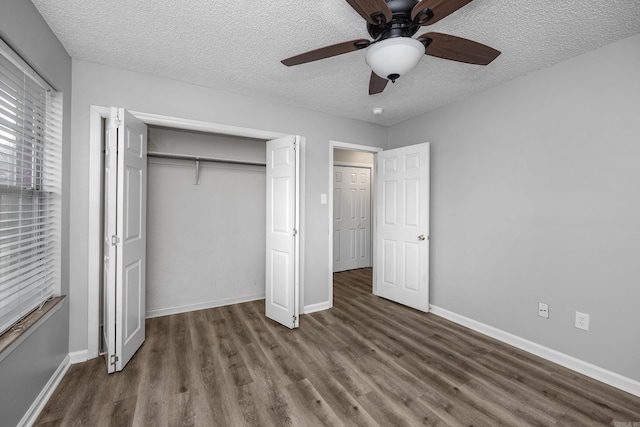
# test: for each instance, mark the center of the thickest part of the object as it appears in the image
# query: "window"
(30, 163)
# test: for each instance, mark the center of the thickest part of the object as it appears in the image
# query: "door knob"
(421, 237)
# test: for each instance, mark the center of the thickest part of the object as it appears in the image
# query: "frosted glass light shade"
(394, 57)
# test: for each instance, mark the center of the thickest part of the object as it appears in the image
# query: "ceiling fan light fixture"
(394, 57)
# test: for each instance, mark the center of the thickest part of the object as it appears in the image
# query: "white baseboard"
(200, 306)
(78, 356)
(45, 394)
(608, 377)
(312, 308)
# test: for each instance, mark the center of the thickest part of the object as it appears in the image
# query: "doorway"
(355, 250)
(400, 214)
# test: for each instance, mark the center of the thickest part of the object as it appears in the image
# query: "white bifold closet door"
(125, 207)
(282, 251)
(402, 234)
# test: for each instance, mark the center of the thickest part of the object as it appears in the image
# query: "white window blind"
(30, 172)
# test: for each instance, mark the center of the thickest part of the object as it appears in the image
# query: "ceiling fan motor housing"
(401, 24)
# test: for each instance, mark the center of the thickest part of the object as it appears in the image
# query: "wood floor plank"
(181, 378)
(385, 411)
(343, 403)
(429, 414)
(573, 400)
(53, 415)
(268, 335)
(216, 378)
(122, 412)
(153, 383)
(85, 403)
(317, 409)
(365, 362)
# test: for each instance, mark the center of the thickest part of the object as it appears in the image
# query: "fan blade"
(326, 52)
(458, 49)
(372, 11)
(376, 84)
(439, 8)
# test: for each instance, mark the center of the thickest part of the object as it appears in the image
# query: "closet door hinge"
(114, 359)
(294, 320)
(295, 232)
(115, 240)
(116, 122)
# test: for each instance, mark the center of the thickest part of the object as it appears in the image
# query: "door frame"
(352, 147)
(97, 113)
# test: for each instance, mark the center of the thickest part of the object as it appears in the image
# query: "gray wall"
(101, 85)
(206, 242)
(25, 371)
(349, 156)
(181, 141)
(535, 197)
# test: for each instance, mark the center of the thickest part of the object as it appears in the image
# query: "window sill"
(16, 335)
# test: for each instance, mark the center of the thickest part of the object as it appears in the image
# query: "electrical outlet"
(543, 310)
(582, 321)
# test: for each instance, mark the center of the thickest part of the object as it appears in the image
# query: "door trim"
(96, 167)
(97, 113)
(353, 147)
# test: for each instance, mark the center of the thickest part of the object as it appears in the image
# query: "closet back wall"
(206, 242)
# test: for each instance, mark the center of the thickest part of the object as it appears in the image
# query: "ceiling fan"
(393, 51)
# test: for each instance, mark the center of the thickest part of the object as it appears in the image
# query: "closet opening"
(206, 222)
(235, 161)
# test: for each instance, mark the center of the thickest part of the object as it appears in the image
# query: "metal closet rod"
(202, 158)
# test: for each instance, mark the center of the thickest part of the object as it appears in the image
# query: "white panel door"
(109, 249)
(352, 218)
(402, 241)
(282, 281)
(130, 240)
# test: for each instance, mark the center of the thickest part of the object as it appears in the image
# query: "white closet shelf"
(203, 158)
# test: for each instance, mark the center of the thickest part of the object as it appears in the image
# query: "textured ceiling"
(237, 46)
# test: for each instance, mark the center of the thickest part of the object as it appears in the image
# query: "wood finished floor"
(365, 362)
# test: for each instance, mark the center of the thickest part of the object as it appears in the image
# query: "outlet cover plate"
(543, 310)
(582, 321)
